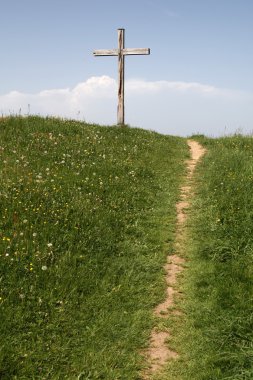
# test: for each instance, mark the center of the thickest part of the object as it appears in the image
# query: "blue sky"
(198, 77)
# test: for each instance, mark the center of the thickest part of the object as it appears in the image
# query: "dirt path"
(159, 352)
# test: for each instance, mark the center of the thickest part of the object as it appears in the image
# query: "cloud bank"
(179, 108)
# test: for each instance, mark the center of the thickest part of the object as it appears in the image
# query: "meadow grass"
(87, 216)
(215, 336)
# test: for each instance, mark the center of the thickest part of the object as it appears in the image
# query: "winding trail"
(159, 352)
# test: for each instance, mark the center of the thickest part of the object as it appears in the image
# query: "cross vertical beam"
(121, 52)
(121, 77)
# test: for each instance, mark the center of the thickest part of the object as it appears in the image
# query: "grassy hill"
(87, 216)
(87, 219)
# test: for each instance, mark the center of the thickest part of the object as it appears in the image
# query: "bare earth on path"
(159, 352)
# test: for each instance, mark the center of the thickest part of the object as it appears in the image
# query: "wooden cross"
(121, 52)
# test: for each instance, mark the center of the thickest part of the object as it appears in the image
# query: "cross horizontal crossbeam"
(115, 52)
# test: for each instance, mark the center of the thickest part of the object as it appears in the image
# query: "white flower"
(49, 245)
(44, 267)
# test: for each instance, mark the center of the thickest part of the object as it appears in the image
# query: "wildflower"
(44, 267)
(49, 245)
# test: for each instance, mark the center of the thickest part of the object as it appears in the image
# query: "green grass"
(216, 335)
(87, 216)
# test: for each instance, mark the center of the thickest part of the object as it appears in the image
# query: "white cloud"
(140, 86)
(165, 106)
(92, 100)
(103, 86)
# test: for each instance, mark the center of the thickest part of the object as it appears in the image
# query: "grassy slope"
(87, 213)
(217, 332)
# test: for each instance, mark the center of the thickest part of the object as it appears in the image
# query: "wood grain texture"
(121, 75)
(106, 52)
(136, 51)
